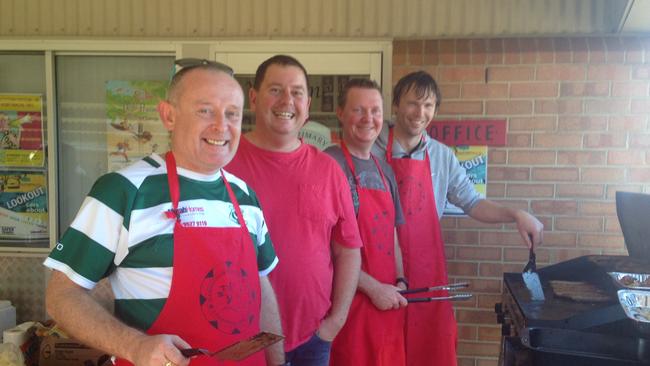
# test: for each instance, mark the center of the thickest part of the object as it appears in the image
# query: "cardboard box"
(68, 352)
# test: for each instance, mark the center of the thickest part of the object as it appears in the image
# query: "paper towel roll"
(15, 335)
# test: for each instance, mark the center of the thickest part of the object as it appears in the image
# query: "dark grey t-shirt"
(368, 177)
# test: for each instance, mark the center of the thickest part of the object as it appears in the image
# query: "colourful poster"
(474, 160)
(133, 129)
(23, 206)
(21, 130)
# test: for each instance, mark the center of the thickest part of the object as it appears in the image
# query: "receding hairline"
(177, 83)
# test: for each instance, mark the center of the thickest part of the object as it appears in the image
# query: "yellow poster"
(21, 130)
(474, 160)
(23, 206)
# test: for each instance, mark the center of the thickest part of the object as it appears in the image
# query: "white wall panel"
(313, 18)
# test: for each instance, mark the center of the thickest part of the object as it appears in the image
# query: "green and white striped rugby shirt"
(121, 232)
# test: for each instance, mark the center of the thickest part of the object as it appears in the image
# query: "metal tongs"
(450, 287)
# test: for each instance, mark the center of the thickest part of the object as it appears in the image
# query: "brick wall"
(577, 114)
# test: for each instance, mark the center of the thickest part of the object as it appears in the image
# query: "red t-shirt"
(306, 202)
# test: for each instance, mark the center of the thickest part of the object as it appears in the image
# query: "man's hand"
(386, 297)
(158, 350)
(529, 228)
(329, 328)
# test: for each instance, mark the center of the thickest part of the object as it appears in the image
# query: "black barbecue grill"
(560, 331)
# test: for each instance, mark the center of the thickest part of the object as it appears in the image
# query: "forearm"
(347, 265)
(270, 322)
(83, 318)
(491, 212)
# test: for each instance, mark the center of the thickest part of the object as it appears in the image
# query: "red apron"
(370, 336)
(430, 327)
(214, 299)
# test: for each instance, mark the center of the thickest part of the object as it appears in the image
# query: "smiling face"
(413, 113)
(361, 117)
(204, 118)
(281, 103)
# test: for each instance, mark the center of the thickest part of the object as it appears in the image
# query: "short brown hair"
(356, 83)
(422, 82)
(282, 60)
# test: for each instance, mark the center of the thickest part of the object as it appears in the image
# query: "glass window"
(107, 119)
(23, 158)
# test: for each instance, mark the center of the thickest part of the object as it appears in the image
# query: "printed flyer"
(133, 128)
(21, 130)
(23, 206)
(474, 160)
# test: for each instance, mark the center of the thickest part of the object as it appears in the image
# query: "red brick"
(511, 73)
(528, 50)
(462, 268)
(641, 141)
(487, 301)
(400, 50)
(631, 89)
(527, 90)
(641, 73)
(467, 332)
(537, 124)
(588, 208)
(511, 53)
(596, 50)
(612, 225)
(512, 203)
(447, 52)
(633, 50)
(502, 238)
(400, 71)
(469, 223)
(627, 123)
(497, 156)
(495, 51)
(449, 91)
(508, 107)
(520, 255)
(578, 224)
(639, 175)
(565, 140)
(485, 286)
(487, 362)
(554, 239)
(531, 157)
(562, 50)
(582, 123)
(508, 174)
(489, 333)
(580, 191)
(615, 51)
(461, 237)
(560, 72)
(580, 158)
(415, 52)
(554, 207)
(463, 52)
(463, 108)
(430, 52)
(479, 51)
(478, 253)
(641, 106)
(601, 240)
(613, 188)
(492, 90)
(530, 190)
(608, 72)
(584, 89)
(566, 254)
(608, 106)
(580, 50)
(602, 175)
(626, 158)
(464, 361)
(519, 140)
(495, 190)
(478, 349)
(605, 140)
(546, 53)
(558, 106)
(496, 270)
(462, 73)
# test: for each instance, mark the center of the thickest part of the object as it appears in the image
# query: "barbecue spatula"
(531, 278)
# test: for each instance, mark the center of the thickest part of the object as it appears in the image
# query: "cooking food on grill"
(636, 304)
(632, 280)
(579, 291)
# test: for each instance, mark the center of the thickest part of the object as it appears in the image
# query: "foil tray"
(636, 304)
(631, 280)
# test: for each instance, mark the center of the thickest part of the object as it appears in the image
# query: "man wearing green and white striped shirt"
(179, 239)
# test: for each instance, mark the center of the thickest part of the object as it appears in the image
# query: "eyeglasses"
(188, 63)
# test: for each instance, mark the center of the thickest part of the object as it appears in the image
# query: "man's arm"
(491, 212)
(86, 320)
(270, 322)
(347, 264)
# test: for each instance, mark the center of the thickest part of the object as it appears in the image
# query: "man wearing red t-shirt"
(308, 209)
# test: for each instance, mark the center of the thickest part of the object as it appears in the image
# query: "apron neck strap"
(172, 180)
(348, 159)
